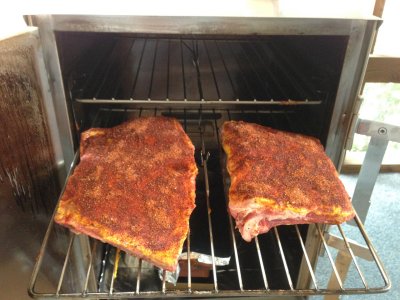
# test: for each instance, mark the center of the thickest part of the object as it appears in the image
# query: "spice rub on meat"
(134, 188)
(280, 178)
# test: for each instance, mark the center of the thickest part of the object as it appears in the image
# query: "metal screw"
(382, 131)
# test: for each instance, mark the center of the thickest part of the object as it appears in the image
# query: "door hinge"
(353, 123)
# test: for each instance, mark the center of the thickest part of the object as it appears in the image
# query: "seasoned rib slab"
(134, 188)
(280, 178)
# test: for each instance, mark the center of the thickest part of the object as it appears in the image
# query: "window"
(381, 91)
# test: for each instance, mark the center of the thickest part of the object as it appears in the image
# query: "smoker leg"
(368, 175)
(343, 261)
(313, 246)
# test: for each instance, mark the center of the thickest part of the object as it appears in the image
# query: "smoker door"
(29, 178)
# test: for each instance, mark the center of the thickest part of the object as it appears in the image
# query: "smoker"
(292, 72)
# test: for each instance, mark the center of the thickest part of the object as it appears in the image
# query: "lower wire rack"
(297, 260)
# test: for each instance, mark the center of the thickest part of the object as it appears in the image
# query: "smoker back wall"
(158, 70)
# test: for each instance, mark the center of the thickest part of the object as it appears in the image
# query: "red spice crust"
(134, 188)
(274, 171)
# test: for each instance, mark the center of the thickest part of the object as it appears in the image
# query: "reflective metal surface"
(27, 165)
(223, 8)
(28, 176)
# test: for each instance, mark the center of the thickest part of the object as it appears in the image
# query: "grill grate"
(112, 269)
(159, 71)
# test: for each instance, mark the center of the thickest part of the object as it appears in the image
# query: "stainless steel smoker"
(261, 62)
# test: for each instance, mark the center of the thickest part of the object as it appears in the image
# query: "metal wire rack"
(253, 267)
(159, 71)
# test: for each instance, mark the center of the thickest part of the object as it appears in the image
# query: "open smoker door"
(29, 177)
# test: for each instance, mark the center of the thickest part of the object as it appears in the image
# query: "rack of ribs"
(134, 188)
(280, 178)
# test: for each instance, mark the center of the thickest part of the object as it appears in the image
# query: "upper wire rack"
(142, 70)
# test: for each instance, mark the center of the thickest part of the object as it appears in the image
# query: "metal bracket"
(339, 244)
(381, 134)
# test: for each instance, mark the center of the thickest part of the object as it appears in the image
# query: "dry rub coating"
(280, 178)
(134, 188)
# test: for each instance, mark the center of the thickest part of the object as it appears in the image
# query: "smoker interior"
(286, 82)
(180, 71)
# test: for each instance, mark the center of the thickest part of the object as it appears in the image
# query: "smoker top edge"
(192, 25)
(208, 8)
